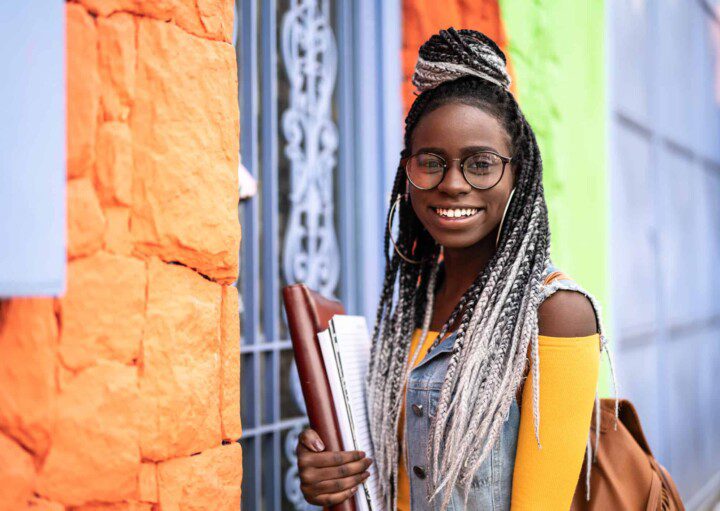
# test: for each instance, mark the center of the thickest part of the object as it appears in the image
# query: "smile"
(458, 213)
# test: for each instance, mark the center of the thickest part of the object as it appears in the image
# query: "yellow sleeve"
(546, 478)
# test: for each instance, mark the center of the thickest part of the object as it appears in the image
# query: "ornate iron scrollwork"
(311, 254)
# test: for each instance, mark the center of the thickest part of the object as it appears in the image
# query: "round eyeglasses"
(482, 170)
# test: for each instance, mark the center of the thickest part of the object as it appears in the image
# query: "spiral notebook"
(345, 348)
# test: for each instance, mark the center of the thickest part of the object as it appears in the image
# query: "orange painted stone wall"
(124, 393)
(423, 18)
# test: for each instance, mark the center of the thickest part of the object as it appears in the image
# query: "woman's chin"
(459, 240)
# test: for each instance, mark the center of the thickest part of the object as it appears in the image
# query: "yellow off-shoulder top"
(543, 479)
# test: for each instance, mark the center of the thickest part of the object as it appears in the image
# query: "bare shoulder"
(567, 314)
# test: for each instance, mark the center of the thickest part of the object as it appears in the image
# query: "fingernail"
(318, 445)
(354, 490)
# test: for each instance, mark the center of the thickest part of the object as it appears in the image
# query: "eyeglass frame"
(505, 160)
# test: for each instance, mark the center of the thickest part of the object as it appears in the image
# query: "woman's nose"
(454, 182)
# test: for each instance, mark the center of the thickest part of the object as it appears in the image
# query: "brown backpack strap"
(555, 276)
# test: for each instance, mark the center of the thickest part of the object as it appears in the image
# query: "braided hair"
(497, 314)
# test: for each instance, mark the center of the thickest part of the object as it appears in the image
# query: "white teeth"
(456, 213)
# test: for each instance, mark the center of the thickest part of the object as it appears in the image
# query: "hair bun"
(454, 53)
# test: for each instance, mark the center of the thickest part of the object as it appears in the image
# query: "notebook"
(345, 348)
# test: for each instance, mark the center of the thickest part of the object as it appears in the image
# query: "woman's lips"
(456, 216)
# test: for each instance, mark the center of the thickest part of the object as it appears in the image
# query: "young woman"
(471, 303)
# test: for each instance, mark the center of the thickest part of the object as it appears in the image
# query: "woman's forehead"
(454, 126)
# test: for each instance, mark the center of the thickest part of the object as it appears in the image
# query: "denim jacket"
(491, 487)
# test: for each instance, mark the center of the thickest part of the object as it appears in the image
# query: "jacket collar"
(445, 346)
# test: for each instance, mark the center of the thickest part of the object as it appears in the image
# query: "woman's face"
(456, 130)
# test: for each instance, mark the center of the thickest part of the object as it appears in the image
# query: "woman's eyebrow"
(477, 148)
(464, 151)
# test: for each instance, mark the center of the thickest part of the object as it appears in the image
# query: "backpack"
(625, 475)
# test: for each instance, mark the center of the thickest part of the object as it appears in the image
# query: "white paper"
(345, 347)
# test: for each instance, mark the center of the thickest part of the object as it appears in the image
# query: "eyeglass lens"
(481, 170)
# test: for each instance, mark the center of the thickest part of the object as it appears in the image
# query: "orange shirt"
(542, 479)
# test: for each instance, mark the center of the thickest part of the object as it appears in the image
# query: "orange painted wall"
(423, 18)
(124, 393)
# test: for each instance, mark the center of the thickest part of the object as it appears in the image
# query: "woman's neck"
(463, 265)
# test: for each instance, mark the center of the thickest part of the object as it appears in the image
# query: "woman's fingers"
(328, 477)
(311, 440)
(313, 475)
(327, 459)
(338, 485)
(330, 499)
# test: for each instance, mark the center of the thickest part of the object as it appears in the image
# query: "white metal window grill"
(321, 130)
(293, 92)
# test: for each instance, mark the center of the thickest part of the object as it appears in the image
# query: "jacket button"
(419, 472)
(418, 409)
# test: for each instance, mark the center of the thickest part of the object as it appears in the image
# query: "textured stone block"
(212, 19)
(147, 482)
(103, 311)
(180, 381)
(28, 342)
(86, 223)
(64, 376)
(185, 150)
(114, 166)
(117, 61)
(135, 69)
(38, 504)
(117, 231)
(116, 506)
(230, 360)
(94, 454)
(210, 480)
(83, 90)
(17, 475)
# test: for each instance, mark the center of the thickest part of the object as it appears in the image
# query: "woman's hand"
(328, 478)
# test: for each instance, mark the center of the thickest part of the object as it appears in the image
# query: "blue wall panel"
(665, 229)
(32, 148)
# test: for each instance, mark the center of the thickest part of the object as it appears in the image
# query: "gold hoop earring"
(389, 228)
(507, 205)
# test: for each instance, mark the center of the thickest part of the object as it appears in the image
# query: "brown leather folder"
(309, 313)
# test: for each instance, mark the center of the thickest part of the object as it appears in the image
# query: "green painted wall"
(557, 51)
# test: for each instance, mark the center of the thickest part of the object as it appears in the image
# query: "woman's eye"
(481, 164)
(479, 167)
(431, 164)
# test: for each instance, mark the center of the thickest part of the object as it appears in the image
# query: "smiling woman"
(467, 302)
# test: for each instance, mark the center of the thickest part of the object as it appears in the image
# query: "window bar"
(271, 268)
(278, 426)
(250, 255)
(346, 157)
